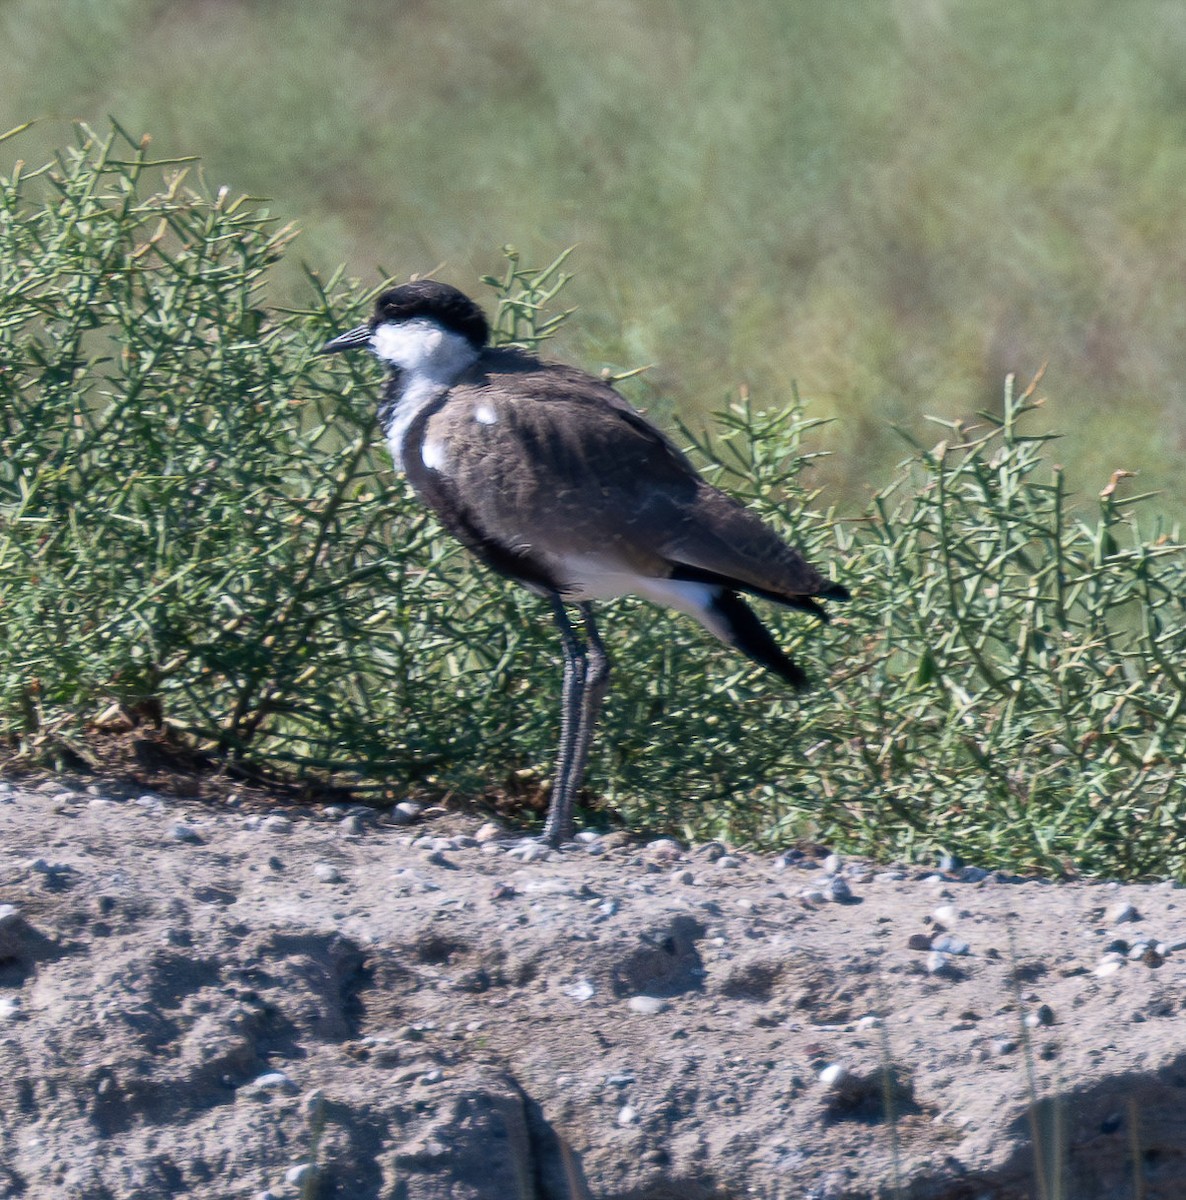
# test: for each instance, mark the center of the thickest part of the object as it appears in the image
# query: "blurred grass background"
(882, 201)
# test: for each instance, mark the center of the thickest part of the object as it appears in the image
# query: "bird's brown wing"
(550, 464)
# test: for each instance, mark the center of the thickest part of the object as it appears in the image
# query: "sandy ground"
(260, 1000)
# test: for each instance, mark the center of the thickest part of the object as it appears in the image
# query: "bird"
(552, 479)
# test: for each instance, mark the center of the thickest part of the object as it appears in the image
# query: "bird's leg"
(558, 827)
(597, 671)
(586, 679)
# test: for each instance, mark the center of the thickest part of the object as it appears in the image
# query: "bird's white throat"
(429, 360)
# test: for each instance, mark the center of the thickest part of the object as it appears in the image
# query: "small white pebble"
(314, 1104)
(683, 876)
(627, 1115)
(946, 915)
(529, 852)
(327, 872)
(276, 823)
(1121, 914)
(832, 864)
(581, 991)
(833, 1075)
(1108, 966)
(937, 963)
(273, 1081)
(1041, 1016)
(869, 1023)
(647, 1005)
(299, 1174)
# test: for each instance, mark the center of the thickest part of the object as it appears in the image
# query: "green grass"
(195, 514)
(893, 205)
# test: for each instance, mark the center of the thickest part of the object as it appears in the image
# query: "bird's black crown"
(438, 302)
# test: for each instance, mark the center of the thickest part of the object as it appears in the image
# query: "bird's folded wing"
(554, 465)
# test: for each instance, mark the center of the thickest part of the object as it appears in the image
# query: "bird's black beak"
(352, 339)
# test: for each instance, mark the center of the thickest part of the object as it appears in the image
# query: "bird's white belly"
(588, 579)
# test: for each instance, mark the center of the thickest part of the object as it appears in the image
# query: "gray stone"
(647, 1005)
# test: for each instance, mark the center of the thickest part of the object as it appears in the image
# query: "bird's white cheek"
(409, 346)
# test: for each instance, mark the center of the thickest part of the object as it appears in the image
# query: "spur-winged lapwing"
(553, 480)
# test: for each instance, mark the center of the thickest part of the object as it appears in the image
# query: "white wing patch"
(435, 455)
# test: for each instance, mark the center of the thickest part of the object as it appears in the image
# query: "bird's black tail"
(741, 629)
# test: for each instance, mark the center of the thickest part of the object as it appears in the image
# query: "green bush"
(196, 514)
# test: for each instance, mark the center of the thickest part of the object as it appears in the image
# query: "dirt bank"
(236, 1000)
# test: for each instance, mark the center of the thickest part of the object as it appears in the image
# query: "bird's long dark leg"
(569, 764)
(586, 680)
(597, 671)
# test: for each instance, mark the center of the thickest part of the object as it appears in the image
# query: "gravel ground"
(238, 1000)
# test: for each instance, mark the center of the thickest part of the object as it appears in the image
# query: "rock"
(180, 831)
(406, 812)
(1121, 913)
(301, 1175)
(326, 873)
(683, 876)
(838, 891)
(529, 852)
(313, 1105)
(919, 941)
(834, 1075)
(1041, 1016)
(276, 823)
(663, 850)
(789, 858)
(939, 963)
(946, 944)
(832, 864)
(581, 991)
(627, 1115)
(647, 1005)
(272, 1083)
